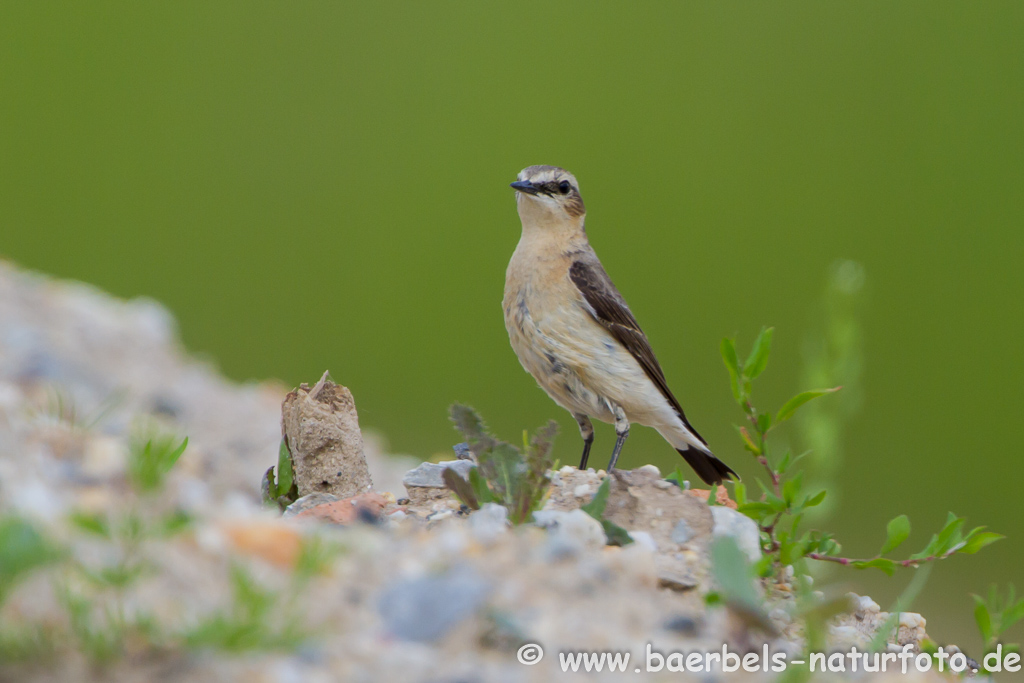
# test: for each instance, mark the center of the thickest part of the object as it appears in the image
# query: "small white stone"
(650, 469)
(911, 620)
(489, 522)
(682, 532)
(780, 615)
(662, 484)
(438, 516)
(567, 469)
(846, 636)
(582, 491)
(644, 540)
(866, 604)
(729, 522)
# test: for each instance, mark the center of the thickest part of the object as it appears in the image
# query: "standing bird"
(573, 331)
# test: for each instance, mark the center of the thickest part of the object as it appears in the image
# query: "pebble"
(644, 540)
(582, 491)
(309, 501)
(863, 603)
(729, 522)
(425, 609)
(681, 532)
(651, 470)
(662, 484)
(428, 474)
(911, 620)
(570, 531)
(439, 515)
(845, 636)
(567, 469)
(780, 615)
(489, 522)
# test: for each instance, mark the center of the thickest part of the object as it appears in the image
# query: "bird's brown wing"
(610, 310)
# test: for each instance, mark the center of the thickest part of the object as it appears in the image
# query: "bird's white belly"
(581, 366)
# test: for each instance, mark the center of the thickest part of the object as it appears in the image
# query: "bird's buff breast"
(557, 341)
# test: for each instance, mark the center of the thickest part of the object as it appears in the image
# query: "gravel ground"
(429, 593)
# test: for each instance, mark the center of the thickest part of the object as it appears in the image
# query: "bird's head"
(548, 194)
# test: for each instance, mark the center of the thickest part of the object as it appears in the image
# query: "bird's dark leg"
(587, 432)
(621, 432)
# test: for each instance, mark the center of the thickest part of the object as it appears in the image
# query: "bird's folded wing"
(610, 310)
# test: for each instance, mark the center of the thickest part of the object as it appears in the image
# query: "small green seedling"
(595, 508)
(504, 474)
(282, 491)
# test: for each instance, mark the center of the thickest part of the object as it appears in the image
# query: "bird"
(573, 331)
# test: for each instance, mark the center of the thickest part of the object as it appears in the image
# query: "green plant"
(996, 614)
(784, 500)
(595, 508)
(258, 618)
(93, 593)
(150, 458)
(23, 550)
(504, 474)
(252, 623)
(283, 491)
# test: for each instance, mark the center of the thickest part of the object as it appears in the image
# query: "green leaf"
(983, 619)
(950, 534)
(735, 577)
(713, 495)
(615, 533)
(460, 487)
(732, 364)
(758, 358)
(268, 489)
(285, 473)
(886, 565)
(739, 492)
(815, 500)
(897, 531)
(174, 523)
(764, 423)
(595, 508)
(977, 541)
(23, 550)
(792, 487)
(799, 400)
(755, 509)
(480, 489)
(91, 523)
(677, 477)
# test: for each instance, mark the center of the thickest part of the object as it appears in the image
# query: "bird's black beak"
(524, 186)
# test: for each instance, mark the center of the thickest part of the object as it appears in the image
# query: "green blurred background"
(324, 185)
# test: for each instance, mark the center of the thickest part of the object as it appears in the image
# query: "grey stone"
(428, 474)
(681, 532)
(677, 580)
(729, 522)
(644, 540)
(310, 501)
(425, 609)
(489, 522)
(571, 531)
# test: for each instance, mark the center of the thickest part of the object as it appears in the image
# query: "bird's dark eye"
(564, 187)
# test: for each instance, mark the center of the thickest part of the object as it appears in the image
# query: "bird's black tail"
(707, 466)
